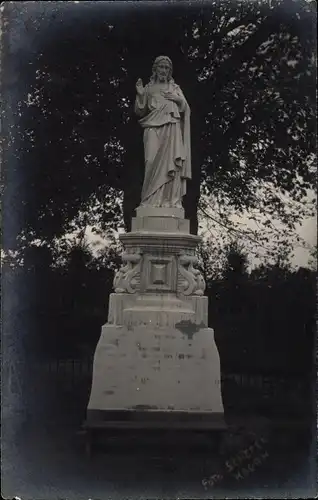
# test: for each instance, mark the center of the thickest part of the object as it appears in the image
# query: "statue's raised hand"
(139, 87)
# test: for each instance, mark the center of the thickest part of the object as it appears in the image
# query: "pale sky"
(308, 231)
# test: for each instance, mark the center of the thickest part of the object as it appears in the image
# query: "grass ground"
(258, 456)
(266, 451)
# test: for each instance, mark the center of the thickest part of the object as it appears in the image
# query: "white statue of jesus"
(165, 118)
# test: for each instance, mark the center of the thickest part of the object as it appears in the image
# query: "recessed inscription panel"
(158, 274)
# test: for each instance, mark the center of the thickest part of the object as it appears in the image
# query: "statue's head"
(162, 69)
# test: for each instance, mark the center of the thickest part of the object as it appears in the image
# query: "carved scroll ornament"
(192, 282)
(127, 277)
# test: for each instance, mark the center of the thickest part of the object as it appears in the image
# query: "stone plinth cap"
(145, 211)
(162, 240)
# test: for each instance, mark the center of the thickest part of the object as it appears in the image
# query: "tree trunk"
(133, 172)
(134, 165)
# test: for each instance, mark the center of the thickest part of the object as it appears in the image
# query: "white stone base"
(157, 311)
(163, 369)
(156, 362)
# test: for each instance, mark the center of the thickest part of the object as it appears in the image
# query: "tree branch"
(237, 231)
(242, 53)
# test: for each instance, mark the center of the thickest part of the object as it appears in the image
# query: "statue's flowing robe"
(167, 146)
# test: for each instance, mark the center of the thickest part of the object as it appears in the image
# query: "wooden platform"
(100, 424)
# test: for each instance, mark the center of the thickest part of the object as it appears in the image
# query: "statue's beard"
(162, 78)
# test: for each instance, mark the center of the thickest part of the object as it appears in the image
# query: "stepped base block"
(156, 369)
(157, 311)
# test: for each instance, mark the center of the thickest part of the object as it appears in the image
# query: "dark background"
(55, 299)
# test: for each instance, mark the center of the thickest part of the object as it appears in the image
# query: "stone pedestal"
(156, 357)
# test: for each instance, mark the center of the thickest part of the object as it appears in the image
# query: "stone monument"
(156, 360)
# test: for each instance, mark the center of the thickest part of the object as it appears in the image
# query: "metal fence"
(71, 374)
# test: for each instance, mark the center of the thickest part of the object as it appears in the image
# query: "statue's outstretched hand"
(139, 87)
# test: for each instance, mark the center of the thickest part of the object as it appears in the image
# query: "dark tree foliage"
(235, 277)
(61, 308)
(73, 144)
(266, 323)
(236, 264)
